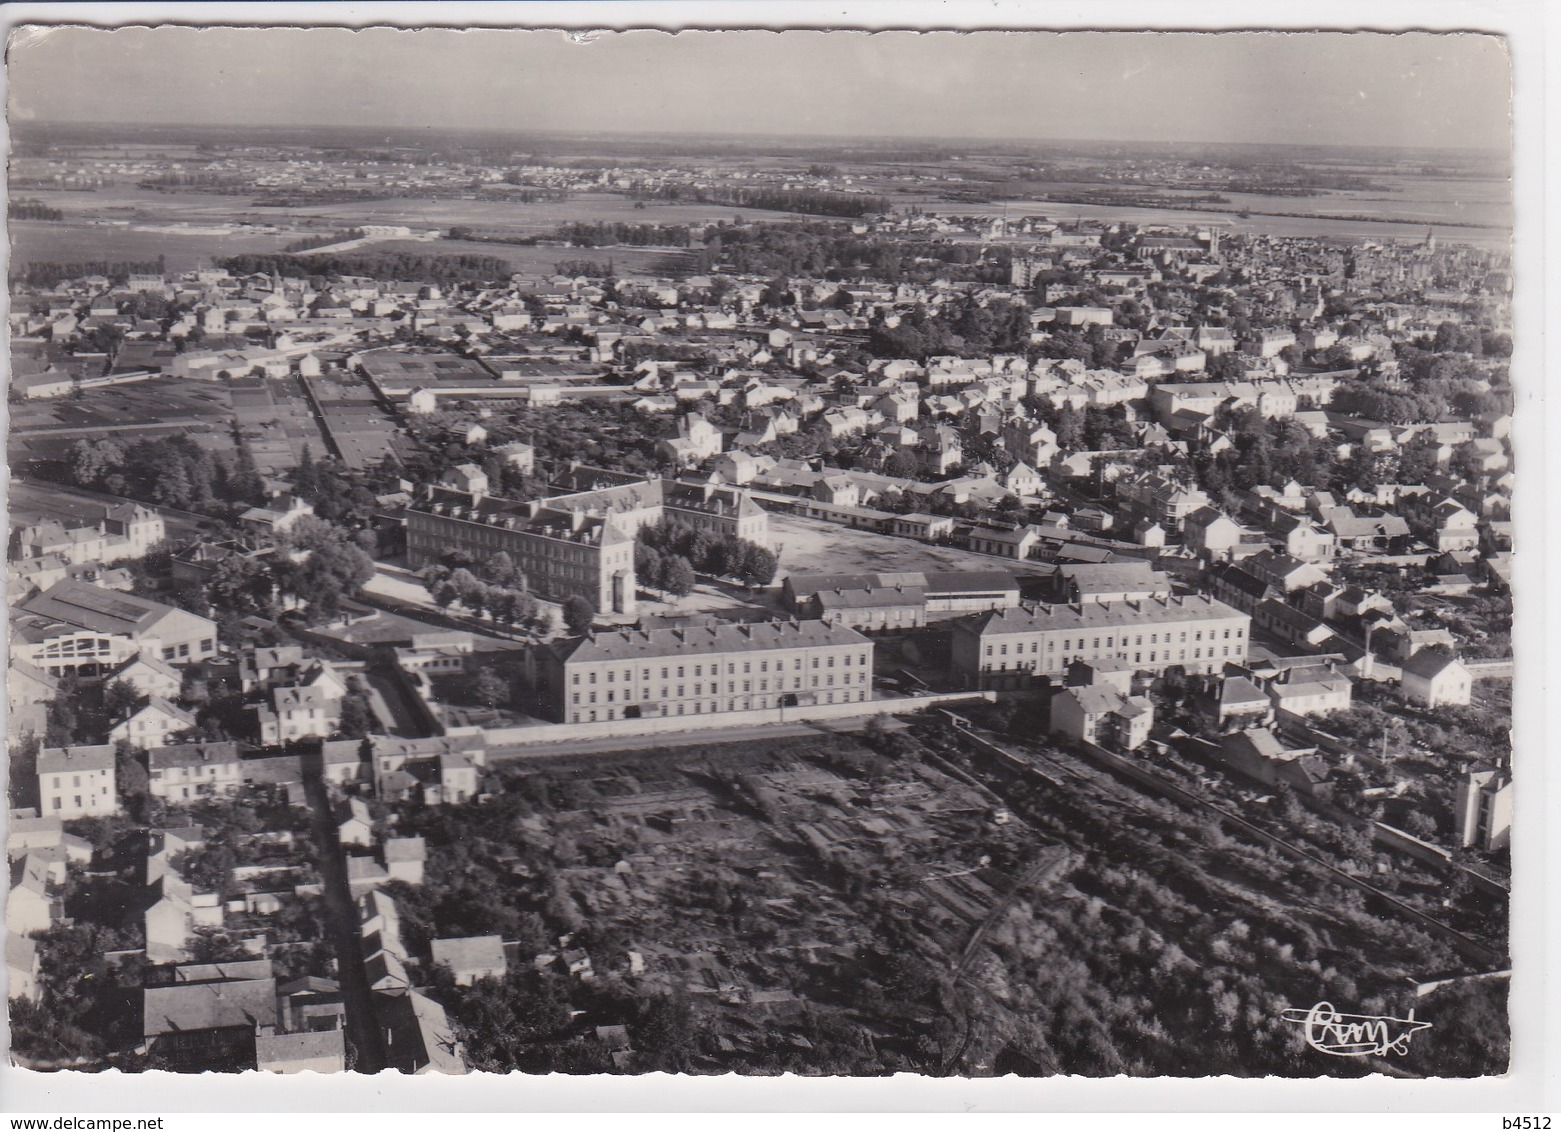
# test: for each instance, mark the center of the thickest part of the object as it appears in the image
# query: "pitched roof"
(249, 1003)
(872, 598)
(405, 849)
(471, 953)
(191, 754)
(1429, 663)
(273, 1050)
(21, 953)
(54, 760)
(148, 661)
(222, 972)
(1238, 691)
(1102, 615)
(103, 611)
(159, 706)
(419, 1034)
(644, 644)
(1093, 699)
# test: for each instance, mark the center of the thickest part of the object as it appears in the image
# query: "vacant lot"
(810, 546)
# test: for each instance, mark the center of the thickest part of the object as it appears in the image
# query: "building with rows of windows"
(77, 628)
(1006, 649)
(77, 782)
(645, 674)
(580, 543)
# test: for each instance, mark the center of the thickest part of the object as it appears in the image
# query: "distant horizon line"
(18, 125)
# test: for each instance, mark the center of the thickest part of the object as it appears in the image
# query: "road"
(169, 425)
(341, 913)
(747, 733)
(25, 495)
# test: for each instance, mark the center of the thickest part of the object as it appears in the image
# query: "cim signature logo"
(1354, 1035)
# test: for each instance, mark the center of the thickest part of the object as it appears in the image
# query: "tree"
(357, 717)
(579, 614)
(489, 689)
(500, 569)
(130, 775)
(759, 566)
(647, 564)
(244, 482)
(679, 579)
(306, 476)
(1070, 430)
(120, 698)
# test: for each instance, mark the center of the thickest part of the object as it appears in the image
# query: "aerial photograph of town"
(834, 555)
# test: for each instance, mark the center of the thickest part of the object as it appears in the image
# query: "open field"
(38, 241)
(80, 242)
(157, 400)
(1402, 219)
(128, 202)
(812, 546)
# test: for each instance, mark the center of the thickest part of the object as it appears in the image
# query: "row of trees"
(722, 556)
(443, 269)
(331, 568)
(585, 268)
(607, 233)
(32, 210)
(337, 494)
(504, 597)
(832, 251)
(973, 330)
(813, 202)
(50, 275)
(173, 471)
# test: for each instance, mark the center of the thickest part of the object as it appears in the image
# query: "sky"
(1324, 88)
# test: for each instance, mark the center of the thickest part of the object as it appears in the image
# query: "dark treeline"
(53, 274)
(605, 234)
(972, 331)
(173, 471)
(32, 210)
(381, 265)
(814, 202)
(660, 547)
(585, 268)
(173, 180)
(831, 251)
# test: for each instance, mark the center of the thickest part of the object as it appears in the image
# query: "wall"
(564, 732)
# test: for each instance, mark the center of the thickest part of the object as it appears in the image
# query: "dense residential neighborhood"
(361, 604)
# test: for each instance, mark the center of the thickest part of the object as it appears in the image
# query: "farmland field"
(68, 242)
(125, 202)
(54, 242)
(1404, 212)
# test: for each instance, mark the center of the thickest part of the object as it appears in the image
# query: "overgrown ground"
(842, 905)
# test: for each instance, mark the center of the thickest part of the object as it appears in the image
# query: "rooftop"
(1106, 614)
(638, 644)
